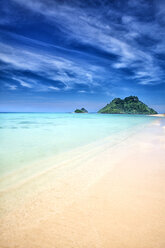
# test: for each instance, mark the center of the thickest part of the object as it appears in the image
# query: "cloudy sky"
(57, 55)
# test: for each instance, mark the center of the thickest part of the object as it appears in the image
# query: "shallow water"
(28, 137)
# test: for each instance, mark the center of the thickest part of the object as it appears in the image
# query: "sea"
(26, 138)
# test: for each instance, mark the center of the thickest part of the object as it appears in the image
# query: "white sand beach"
(107, 197)
(158, 115)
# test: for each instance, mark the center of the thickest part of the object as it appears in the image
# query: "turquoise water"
(26, 137)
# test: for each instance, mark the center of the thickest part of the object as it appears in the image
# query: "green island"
(128, 105)
(81, 111)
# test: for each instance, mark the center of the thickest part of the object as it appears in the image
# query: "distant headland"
(128, 105)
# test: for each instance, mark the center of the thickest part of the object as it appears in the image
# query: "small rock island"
(81, 111)
(128, 105)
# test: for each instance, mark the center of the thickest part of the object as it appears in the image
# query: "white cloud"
(51, 66)
(27, 85)
(23, 84)
(53, 88)
(82, 91)
(89, 28)
(11, 86)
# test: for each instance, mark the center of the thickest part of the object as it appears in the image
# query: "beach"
(96, 195)
(158, 115)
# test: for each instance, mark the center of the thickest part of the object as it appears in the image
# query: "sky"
(59, 55)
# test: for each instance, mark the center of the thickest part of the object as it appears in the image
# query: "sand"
(107, 198)
(158, 115)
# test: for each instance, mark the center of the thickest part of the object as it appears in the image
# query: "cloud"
(82, 46)
(24, 84)
(82, 91)
(46, 65)
(100, 28)
(11, 86)
(53, 88)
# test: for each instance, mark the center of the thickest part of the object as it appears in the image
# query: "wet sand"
(114, 197)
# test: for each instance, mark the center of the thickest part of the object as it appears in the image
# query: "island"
(128, 105)
(81, 111)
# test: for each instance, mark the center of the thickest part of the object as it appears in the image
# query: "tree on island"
(128, 105)
(82, 111)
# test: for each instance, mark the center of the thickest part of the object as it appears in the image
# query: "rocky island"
(82, 110)
(128, 105)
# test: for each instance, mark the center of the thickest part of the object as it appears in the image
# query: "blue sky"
(58, 55)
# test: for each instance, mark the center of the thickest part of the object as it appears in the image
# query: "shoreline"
(114, 198)
(158, 115)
